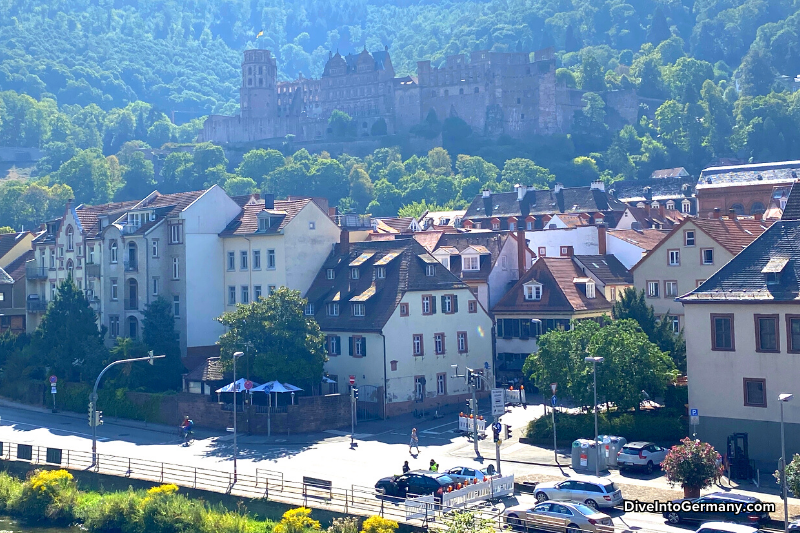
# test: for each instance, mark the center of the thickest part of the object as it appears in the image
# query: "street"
(382, 448)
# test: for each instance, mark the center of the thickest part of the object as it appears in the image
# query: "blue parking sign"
(694, 412)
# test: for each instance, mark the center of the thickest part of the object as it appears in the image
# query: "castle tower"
(258, 94)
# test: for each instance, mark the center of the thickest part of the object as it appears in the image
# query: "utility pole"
(93, 413)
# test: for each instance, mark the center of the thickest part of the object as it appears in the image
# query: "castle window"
(461, 91)
(260, 70)
(477, 90)
(519, 100)
(249, 82)
(249, 70)
(260, 82)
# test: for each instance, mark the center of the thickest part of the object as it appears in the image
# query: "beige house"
(15, 251)
(689, 255)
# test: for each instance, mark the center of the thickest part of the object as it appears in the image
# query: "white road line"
(54, 430)
(430, 432)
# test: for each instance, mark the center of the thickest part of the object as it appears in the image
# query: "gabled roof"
(246, 222)
(89, 215)
(792, 209)
(772, 173)
(744, 278)
(428, 239)
(165, 206)
(542, 202)
(5, 279)
(398, 224)
(210, 370)
(404, 273)
(646, 239)
(560, 294)
(485, 243)
(606, 268)
(16, 269)
(659, 189)
(9, 240)
(676, 172)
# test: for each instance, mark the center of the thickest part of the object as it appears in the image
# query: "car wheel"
(591, 503)
(541, 497)
(649, 467)
(514, 522)
(673, 518)
(573, 528)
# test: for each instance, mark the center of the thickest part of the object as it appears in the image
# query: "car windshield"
(444, 479)
(631, 450)
(610, 487)
(584, 509)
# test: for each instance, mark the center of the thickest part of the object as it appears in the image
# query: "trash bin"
(585, 455)
(610, 446)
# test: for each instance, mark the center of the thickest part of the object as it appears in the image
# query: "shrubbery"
(664, 427)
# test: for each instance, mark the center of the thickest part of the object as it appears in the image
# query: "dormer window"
(590, 289)
(380, 272)
(354, 273)
(533, 291)
(330, 274)
(773, 278)
(470, 262)
(263, 224)
(686, 206)
(772, 270)
(430, 270)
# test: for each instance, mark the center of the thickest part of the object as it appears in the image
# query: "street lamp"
(594, 361)
(783, 399)
(236, 355)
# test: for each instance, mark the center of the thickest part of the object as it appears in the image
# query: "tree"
(329, 180)
(792, 475)
(379, 128)
(693, 464)
(286, 345)
(67, 340)
(756, 73)
(572, 43)
(238, 186)
(361, 190)
(439, 161)
(429, 128)
(160, 337)
(138, 177)
(659, 27)
(6, 229)
(526, 172)
(591, 76)
(87, 174)
(341, 124)
(257, 164)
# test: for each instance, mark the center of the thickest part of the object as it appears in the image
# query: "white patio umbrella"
(277, 387)
(239, 386)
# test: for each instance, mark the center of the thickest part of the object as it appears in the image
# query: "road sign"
(694, 412)
(498, 402)
(248, 385)
(53, 389)
(553, 400)
(352, 380)
(553, 387)
(694, 420)
(53, 380)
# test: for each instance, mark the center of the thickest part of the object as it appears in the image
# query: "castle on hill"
(495, 93)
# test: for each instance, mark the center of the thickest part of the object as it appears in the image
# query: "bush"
(297, 521)
(692, 463)
(10, 488)
(114, 512)
(164, 511)
(344, 525)
(664, 427)
(377, 524)
(47, 495)
(792, 475)
(221, 520)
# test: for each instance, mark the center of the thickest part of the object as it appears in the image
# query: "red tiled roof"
(733, 235)
(647, 239)
(88, 215)
(247, 221)
(16, 269)
(401, 224)
(428, 239)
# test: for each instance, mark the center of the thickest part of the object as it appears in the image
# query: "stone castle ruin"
(494, 92)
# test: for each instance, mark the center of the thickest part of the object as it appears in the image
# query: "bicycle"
(186, 436)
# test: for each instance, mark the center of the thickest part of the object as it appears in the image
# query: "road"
(382, 448)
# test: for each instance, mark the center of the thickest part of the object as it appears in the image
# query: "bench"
(316, 484)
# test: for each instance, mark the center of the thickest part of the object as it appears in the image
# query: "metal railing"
(37, 306)
(131, 266)
(34, 272)
(93, 270)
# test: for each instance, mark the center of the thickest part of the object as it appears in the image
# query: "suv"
(416, 482)
(645, 455)
(593, 491)
(752, 519)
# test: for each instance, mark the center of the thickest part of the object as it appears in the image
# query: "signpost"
(553, 402)
(248, 385)
(694, 420)
(53, 381)
(498, 402)
(352, 380)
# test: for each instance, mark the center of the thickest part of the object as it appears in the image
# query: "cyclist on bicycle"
(186, 427)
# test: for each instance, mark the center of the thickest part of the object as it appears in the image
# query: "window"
(90, 259)
(312, 225)
(176, 306)
(332, 309)
(793, 333)
(612, 292)
(590, 289)
(270, 289)
(256, 259)
(243, 260)
(472, 306)
(533, 291)
(80, 249)
(438, 343)
(470, 262)
(334, 345)
(722, 332)
(53, 258)
(380, 272)
(309, 310)
(231, 295)
(447, 304)
(670, 204)
(755, 392)
(358, 346)
(417, 345)
(330, 274)
(354, 273)
(113, 248)
(245, 294)
(462, 341)
(359, 309)
(441, 384)
(542, 251)
(428, 305)
(256, 292)
(263, 224)
(175, 234)
(767, 333)
(231, 261)
(155, 286)
(674, 257)
(176, 270)
(707, 255)
(495, 224)
(70, 238)
(52, 291)
(114, 290)
(676, 325)
(61, 252)
(430, 270)
(670, 289)
(271, 259)
(113, 326)
(652, 289)
(698, 282)
(686, 206)
(154, 248)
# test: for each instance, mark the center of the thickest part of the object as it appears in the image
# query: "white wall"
(583, 239)
(502, 277)
(367, 370)
(627, 253)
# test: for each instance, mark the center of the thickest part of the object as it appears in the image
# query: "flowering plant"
(692, 463)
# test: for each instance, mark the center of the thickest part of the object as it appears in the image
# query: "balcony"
(131, 305)
(34, 272)
(92, 270)
(131, 266)
(37, 305)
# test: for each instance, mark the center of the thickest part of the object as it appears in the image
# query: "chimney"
(601, 239)
(521, 190)
(344, 241)
(662, 210)
(557, 188)
(269, 201)
(732, 214)
(647, 209)
(521, 249)
(598, 185)
(716, 213)
(757, 216)
(487, 193)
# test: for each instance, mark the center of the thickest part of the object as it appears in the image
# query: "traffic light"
(496, 432)
(91, 408)
(355, 394)
(98, 418)
(506, 432)
(471, 405)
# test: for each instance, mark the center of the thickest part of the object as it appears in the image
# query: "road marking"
(53, 430)
(431, 432)
(347, 434)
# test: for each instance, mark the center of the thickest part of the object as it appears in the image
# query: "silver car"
(558, 517)
(593, 491)
(460, 474)
(644, 455)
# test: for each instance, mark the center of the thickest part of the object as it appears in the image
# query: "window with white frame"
(440, 384)
(670, 288)
(176, 305)
(243, 260)
(176, 271)
(114, 290)
(330, 273)
(231, 261)
(175, 233)
(52, 291)
(447, 303)
(70, 238)
(652, 289)
(590, 289)
(154, 248)
(309, 309)
(380, 272)
(676, 325)
(533, 291)
(354, 273)
(708, 256)
(430, 270)
(417, 344)
(270, 289)
(686, 206)
(256, 292)
(470, 262)
(113, 326)
(688, 238)
(462, 341)
(155, 286)
(674, 257)
(670, 204)
(256, 259)
(359, 309)
(438, 343)
(231, 295)
(332, 309)
(271, 259)
(245, 294)
(113, 248)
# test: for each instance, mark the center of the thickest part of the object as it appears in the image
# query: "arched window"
(738, 209)
(114, 250)
(133, 327)
(670, 204)
(249, 70)
(130, 262)
(70, 238)
(686, 206)
(757, 208)
(70, 268)
(132, 300)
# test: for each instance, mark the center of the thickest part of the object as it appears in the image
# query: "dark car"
(753, 519)
(416, 482)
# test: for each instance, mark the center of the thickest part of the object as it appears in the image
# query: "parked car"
(794, 527)
(726, 527)
(593, 491)
(675, 517)
(461, 474)
(643, 455)
(416, 482)
(558, 517)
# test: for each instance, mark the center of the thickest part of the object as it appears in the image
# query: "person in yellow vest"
(434, 466)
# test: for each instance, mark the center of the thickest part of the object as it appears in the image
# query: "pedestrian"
(406, 468)
(718, 470)
(434, 466)
(414, 441)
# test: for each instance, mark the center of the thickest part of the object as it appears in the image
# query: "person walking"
(406, 468)
(414, 441)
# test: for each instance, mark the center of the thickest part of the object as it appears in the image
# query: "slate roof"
(606, 268)
(5, 279)
(246, 223)
(733, 235)
(165, 206)
(792, 209)
(560, 294)
(89, 215)
(210, 370)
(16, 269)
(743, 279)
(543, 202)
(403, 274)
(677, 172)
(660, 189)
(670, 218)
(488, 242)
(646, 239)
(776, 172)
(9, 240)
